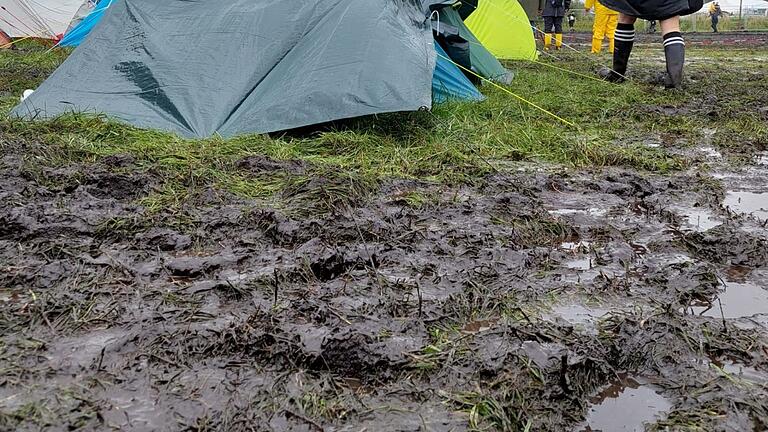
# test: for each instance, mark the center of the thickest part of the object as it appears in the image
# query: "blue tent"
(78, 33)
(449, 83)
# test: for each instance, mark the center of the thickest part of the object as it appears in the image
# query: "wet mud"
(547, 300)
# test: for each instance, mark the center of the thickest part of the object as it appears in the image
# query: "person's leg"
(558, 32)
(624, 40)
(598, 32)
(674, 51)
(610, 32)
(548, 27)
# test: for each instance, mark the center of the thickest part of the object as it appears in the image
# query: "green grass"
(698, 23)
(455, 143)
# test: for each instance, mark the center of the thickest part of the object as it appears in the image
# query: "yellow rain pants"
(606, 21)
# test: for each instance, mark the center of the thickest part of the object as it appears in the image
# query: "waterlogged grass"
(456, 142)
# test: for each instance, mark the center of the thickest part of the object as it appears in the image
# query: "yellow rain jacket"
(606, 21)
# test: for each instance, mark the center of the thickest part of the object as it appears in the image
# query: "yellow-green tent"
(503, 28)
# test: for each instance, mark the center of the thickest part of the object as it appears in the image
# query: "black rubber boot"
(624, 39)
(674, 51)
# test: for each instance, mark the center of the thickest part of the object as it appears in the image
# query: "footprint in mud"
(627, 404)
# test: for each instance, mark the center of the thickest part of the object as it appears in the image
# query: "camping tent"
(502, 27)
(262, 65)
(80, 30)
(47, 19)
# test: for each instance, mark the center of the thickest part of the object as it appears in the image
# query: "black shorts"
(654, 9)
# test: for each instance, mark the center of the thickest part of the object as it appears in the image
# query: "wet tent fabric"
(263, 65)
(502, 27)
(449, 83)
(46, 19)
(78, 33)
(483, 62)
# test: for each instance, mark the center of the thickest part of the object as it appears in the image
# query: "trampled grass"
(455, 142)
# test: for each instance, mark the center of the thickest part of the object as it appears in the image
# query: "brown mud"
(515, 303)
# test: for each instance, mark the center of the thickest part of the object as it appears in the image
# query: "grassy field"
(455, 142)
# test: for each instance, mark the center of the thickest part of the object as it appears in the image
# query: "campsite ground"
(484, 266)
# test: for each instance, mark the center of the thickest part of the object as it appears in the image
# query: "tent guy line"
(506, 90)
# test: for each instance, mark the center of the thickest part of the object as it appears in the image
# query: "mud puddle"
(701, 219)
(737, 300)
(736, 370)
(749, 203)
(627, 404)
(579, 315)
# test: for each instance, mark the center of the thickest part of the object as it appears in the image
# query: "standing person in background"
(553, 12)
(652, 27)
(606, 21)
(531, 8)
(571, 21)
(714, 14)
(668, 12)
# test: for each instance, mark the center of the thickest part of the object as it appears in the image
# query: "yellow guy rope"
(9, 44)
(509, 92)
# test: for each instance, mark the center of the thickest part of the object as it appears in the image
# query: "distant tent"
(502, 27)
(83, 27)
(265, 66)
(46, 19)
(5, 40)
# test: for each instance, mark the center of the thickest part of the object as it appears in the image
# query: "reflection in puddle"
(754, 203)
(588, 212)
(738, 300)
(578, 246)
(740, 371)
(711, 152)
(701, 220)
(580, 264)
(578, 315)
(626, 405)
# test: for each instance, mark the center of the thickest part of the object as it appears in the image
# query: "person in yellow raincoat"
(606, 21)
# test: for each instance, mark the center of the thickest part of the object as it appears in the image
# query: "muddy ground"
(540, 298)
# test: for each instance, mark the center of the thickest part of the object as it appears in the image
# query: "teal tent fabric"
(207, 67)
(449, 83)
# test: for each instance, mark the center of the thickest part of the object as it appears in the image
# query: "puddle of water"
(701, 220)
(738, 300)
(740, 371)
(580, 264)
(711, 152)
(754, 203)
(588, 212)
(576, 246)
(579, 315)
(626, 405)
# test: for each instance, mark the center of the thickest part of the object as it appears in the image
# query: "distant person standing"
(652, 26)
(571, 21)
(668, 12)
(714, 14)
(553, 12)
(531, 8)
(605, 24)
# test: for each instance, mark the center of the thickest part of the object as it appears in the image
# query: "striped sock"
(624, 39)
(674, 51)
